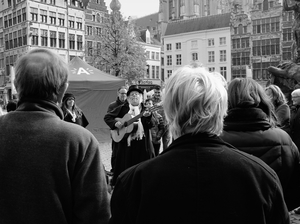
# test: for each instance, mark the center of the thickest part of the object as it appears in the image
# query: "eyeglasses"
(134, 94)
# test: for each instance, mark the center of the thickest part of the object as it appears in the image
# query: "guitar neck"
(130, 121)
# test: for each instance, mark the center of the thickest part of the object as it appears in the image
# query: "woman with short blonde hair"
(205, 100)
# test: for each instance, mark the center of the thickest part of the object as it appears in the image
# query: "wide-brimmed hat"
(67, 96)
(134, 88)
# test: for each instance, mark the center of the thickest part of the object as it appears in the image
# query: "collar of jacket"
(29, 104)
(196, 139)
(246, 119)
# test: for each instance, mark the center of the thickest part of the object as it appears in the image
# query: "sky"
(138, 8)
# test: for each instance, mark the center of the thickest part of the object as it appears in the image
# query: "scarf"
(139, 134)
(73, 114)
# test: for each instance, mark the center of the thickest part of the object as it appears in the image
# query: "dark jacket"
(50, 170)
(199, 179)
(115, 104)
(250, 131)
(138, 151)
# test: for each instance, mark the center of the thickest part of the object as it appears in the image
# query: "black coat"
(138, 151)
(199, 179)
(249, 130)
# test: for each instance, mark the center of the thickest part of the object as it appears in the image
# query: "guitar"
(128, 124)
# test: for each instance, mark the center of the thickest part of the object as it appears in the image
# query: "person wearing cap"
(72, 113)
(295, 118)
(51, 170)
(135, 146)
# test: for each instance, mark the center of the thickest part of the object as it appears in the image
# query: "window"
(79, 23)
(222, 55)
(15, 37)
(6, 41)
(148, 54)
(20, 38)
(9, 20)
(14, 18)
(153, 71)
(211, 42)
(157, 72)
(178, 46)
(195, 56)
(194, 44)
(169, 73)
(245, 42)
(287, 34)
(245, 29)
(286, 53)
(52, 39)
(52, 2)
(223, 71)
(169, 59)
(43, 1)
(5, 22)
(19, 17)
(152, 55)
(222, 40)
(24, 31)
(287, 16)
(98, 48)
(157, 56)
(169, 47)
(178, 59)
(43, 16)
(61, 19)
(34, 14)
(34, 37)
(72, 41)
(89, 30)
(24, 14)
(61, 40)
(79, 42)
(211, 56)
(90, 48)
(52, 16)
(98, 31)
(182, 8)
(71, 21)
(211, 69)
(44, 38)
(148, 72)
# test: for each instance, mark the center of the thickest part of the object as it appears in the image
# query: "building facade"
(205, 40)
(27, 24)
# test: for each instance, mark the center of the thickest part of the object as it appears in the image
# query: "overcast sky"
(137, 8)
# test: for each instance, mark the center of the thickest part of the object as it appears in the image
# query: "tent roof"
(82, 71)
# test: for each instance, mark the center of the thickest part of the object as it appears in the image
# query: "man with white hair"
(199, 178)
(295, 117)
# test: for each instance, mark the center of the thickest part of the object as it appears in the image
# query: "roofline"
(198, 31)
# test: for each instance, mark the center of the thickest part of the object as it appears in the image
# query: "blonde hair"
(278, 96)
(194, 101)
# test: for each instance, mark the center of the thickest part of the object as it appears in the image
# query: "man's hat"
(134, 88)
(67, 96)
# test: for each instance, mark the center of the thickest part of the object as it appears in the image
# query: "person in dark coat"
(136, 146)
(72, 113)
(250, 127)
(51, 170)
(11, 106)
(199, 178)
(121, 99)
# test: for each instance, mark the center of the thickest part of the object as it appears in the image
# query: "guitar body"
(118, 134)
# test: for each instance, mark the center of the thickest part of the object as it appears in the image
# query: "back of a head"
(295, 93)
(278, 95)
(40, 74)
(247, 93)
(194, 101)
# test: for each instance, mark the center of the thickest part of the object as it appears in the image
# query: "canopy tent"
(94, 91)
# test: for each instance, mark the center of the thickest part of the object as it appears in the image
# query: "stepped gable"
(197, 24)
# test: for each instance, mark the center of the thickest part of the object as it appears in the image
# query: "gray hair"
(40, 73)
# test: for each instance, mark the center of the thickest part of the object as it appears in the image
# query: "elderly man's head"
(194, 101)
(296, 97)
(41, 74)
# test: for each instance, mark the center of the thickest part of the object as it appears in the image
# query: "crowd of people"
(198, 147)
